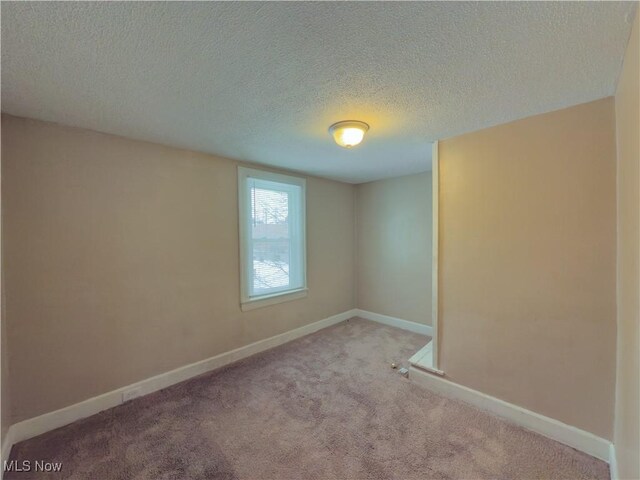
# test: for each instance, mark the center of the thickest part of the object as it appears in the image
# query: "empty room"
(320, 240)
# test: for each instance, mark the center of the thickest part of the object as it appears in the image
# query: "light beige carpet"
(326, 406)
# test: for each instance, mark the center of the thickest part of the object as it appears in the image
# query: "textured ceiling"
(262, 82)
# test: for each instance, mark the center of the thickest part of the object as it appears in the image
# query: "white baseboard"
(613, 463)
(396, 322)
(58, 418)
(561, 432)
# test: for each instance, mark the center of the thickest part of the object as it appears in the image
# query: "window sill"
(267, 300)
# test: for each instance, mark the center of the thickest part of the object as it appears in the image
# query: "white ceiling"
(262, 82)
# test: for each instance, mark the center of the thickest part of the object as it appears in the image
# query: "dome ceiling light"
(348, 133)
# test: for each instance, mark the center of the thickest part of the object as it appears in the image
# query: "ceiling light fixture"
(348, 133)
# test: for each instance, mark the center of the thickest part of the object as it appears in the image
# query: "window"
(272, 237)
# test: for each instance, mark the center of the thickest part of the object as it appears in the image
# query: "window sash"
(294, 187)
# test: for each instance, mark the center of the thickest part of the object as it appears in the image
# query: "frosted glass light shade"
(349, 133)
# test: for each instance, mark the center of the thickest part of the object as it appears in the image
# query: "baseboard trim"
(561, 432)
(613, 463)
(59, 418)
(396, 322)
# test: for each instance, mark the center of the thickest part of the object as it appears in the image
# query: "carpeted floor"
(326, 406)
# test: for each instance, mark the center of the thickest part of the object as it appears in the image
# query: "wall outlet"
(130, 394)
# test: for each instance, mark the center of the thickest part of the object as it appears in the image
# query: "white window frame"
(248, 302)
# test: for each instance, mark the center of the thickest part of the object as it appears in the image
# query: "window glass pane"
(270, 235)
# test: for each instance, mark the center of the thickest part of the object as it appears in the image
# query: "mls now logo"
(29, 466)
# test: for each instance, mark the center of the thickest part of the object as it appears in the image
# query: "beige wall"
(121, 262)
(627, 398)
(393, 236)
(527, 273)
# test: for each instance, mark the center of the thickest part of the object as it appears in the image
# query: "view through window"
(270, 235)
